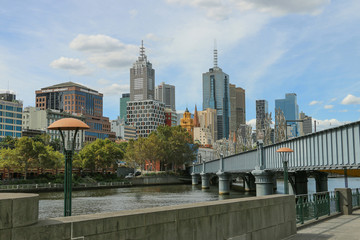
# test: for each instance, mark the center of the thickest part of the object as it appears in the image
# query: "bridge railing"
(243, 162)
(313, 206)
(328, 149)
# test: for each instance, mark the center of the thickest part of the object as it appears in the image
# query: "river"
(117, 199)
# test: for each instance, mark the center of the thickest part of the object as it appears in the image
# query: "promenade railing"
(313, 206)
(58, 185)
(355, 198)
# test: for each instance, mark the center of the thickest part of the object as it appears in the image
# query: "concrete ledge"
(266, 217)
(18, 210)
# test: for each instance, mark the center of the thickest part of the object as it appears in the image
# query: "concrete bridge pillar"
(264, 182)
(205, 183)
(274, 182)
(224, 182)
(301, 182)
(194, 178)
(249, 182)
(321, 181)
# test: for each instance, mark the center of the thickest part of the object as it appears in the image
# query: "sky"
(269, 48)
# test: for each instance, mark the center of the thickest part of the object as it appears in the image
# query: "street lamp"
(68, 124)
(283, 154)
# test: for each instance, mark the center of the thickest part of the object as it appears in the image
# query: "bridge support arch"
(195, 178)
(264, 182)
(249, 182)
(321, 179)
(205, 180)
(224, 182)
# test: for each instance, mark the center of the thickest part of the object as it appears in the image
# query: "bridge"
(332, 150)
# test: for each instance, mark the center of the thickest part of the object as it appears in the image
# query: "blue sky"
(310, 47)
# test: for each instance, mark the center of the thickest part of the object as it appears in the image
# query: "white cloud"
(333, 99)
(329, 106)
(328, 123)
(350, 99)
(115, 89)
(215, 9)
(252, 123)
(96, 43)
(105, 51)
(282, 7)
(74, 65)
(344, 110)
(315, 102)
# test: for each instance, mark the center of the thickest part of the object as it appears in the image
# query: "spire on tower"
(196, 118)
(215, 55)
(142, 50)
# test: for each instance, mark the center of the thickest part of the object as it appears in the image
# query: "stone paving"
(344, 227)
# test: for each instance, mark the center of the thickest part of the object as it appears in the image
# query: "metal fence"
(58, 185)
(355, 198)
(313, 206)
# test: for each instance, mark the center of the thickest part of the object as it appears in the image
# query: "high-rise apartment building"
(290, 108)
(237, 107)
(261, 111)
(207, 122)
(10, 116)
(166, 93)
(170, 117)
(305, 125)
(142, 78)
(216, 96)
(123, 106)
(146, 116)
(77, 99)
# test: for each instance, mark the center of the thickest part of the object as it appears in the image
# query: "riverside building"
(77, 99)
(10, 115)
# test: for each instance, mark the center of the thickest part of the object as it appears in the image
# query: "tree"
(100, 154)
(26, 153)
(280, 126)
(8, 160)
(8, 142)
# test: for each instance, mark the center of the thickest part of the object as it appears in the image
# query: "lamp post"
(68, 124)
(284, 153)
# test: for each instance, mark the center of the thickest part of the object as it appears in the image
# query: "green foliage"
(172, 146)
(8, 142)
(100, 154)
(29, 153)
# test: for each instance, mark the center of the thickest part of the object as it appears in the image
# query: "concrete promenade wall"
(257, 218)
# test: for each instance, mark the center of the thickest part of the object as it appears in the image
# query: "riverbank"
(56, 187)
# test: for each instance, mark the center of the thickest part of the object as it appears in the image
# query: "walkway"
(344, 227)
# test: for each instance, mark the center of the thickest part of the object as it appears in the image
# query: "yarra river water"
(117, 199)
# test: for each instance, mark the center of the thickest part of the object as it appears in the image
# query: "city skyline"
(309, 49)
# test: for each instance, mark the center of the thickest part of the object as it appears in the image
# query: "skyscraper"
(166, 93)
(305, 125)
(143, 112)
(123, 106)
(216, 96)
(261, 111)
(290, 108)
(142, 78)
(237, 107)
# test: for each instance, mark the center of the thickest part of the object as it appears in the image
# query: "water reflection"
(117, 199)
(110, 200)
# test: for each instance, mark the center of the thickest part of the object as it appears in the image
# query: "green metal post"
(337, 201)
(358, 197)
(301, 200)
(328, 203)
(286, 178)
(316, 211)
